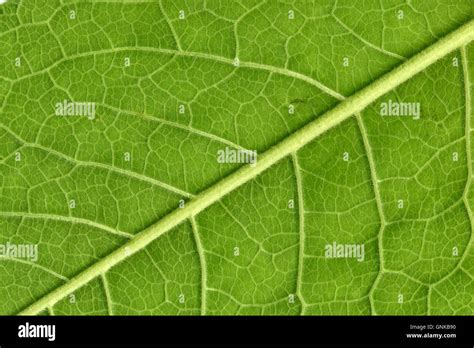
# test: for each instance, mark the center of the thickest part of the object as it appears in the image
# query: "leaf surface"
(132, 212)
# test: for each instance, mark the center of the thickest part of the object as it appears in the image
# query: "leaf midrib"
(356, 103)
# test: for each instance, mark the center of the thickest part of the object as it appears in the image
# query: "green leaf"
(346, 210)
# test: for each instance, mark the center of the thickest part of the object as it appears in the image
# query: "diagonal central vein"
(356, 103)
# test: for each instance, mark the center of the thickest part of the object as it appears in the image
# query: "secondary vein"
(378, 200)
(107, 167)
(211, 57)
(467, 94)
(301, 212)
(68, 219)
(202, 260)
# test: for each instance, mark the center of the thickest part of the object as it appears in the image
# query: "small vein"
(426, 164)
(371, 45)
(170, 25)
(176, 125)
